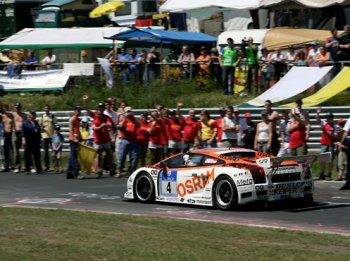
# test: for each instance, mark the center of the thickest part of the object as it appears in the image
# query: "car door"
(173, 177)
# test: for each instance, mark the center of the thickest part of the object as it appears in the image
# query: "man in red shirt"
(74, 139)
(191, 132)
(328, 137)
(297, 131)
(101, 125)
(128, 142)
(158, 138)
(142, 139)
(176, 125)
(217, 124)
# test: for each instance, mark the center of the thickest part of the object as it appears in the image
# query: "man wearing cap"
(47, 123)
(74, 139)
(229, 59)
(101, 126)
(18, 117)
(8, 125)
(311, 55)
(127, 142)
(328, 137)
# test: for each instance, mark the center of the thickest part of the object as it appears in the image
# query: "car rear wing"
(310, 159)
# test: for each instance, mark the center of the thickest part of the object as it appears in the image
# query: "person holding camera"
(229, 59)
(253, 63)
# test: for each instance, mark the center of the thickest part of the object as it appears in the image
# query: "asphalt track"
(329, 214)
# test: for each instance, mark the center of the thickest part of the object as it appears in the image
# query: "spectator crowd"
(262, 69)
(124, 142)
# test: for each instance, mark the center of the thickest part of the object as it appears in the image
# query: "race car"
(223, 177)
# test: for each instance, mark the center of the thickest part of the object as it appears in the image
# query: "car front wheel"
(144, 188)
(225, 193)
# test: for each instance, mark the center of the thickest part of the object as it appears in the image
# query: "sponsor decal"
(259, 188)
(226, 157)
(244, 182)
(168, 183)
(154, 172)
(204, 202)
(286, 168)
(191, 201)
(210, 161)
(182, 199)
(193, 184)
(289, 188)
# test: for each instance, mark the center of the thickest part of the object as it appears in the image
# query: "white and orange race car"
(223, 177)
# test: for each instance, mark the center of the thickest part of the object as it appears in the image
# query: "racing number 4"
(168, 188)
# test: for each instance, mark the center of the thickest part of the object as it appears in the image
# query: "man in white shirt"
(49, 60)
(230, 128)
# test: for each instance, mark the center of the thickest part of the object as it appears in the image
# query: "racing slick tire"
(225, 193)
(144, 188)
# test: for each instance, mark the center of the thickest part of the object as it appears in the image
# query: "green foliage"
(193, 93)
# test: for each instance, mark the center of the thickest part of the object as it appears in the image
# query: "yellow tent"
(105, 9)
(339, 84)
(283, 37)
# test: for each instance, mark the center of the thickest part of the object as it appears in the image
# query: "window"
(149, 7)
(126, 10)
(175, 162)
(46, 17)
(67, 17)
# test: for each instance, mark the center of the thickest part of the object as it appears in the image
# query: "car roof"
(221, 151)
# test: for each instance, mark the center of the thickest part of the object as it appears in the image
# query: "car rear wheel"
(225, 193)
(144, 188)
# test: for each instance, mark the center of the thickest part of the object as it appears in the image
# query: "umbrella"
(105, 9)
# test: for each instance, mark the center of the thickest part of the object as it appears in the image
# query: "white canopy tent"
(308, 3)
(38, 38)
(236, 12)
(185, 5)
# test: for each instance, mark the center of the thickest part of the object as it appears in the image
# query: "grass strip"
(38, 234)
